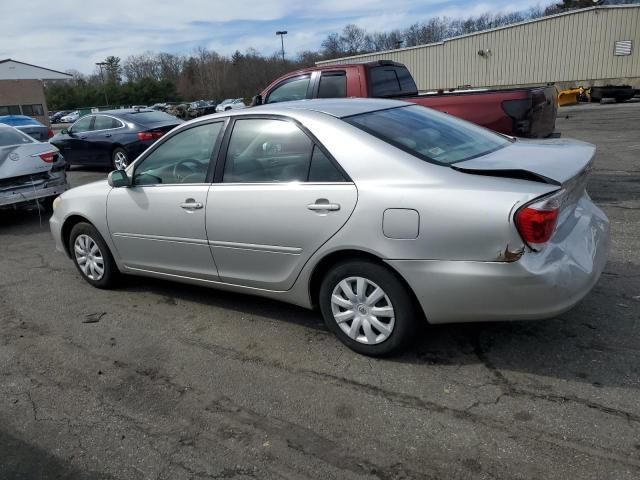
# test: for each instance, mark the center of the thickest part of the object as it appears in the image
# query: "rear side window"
(333, 85)
(322, 169)
(389, 81)
(9, 136)
(148, 118)
(102, 123)
(295, 89)
(27, 110)
(429, 135)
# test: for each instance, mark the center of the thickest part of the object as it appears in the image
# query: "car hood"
(553, 161)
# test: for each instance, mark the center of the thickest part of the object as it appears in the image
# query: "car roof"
(336, 107)
(18, 120)
(124, 111)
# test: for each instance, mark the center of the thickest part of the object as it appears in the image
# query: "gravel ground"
(158, 380)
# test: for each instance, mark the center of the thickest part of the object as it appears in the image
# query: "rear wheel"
(120, 159)
(91, 256)
(368, 308)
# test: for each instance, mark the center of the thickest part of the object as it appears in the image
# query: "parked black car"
(55, 117)
(112, 138)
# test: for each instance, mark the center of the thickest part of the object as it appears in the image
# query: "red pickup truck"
(522, 112)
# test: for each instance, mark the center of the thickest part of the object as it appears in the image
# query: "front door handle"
(191, 204)
(323, 206)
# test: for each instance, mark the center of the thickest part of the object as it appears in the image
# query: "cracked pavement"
(172, 381)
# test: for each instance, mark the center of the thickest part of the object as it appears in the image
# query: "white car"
(230, 104)
(72, 117)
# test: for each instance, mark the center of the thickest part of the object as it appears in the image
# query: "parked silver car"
(379, 212)
(29, 170)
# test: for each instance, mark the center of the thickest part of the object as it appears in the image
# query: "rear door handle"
(323, 206)
(191, 204)
(107, 135)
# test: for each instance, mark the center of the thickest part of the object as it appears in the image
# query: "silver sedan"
(381, 213)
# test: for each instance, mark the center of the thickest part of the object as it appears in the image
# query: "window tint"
(102, 123)
(333, 85)
(116, 123)
(37, 109)
(262, 150)
(27, 110)
(428, 134)
(82, 125)
(9, 136)
(386, 81)
(322, 169)
(291, 90)
(183, 158)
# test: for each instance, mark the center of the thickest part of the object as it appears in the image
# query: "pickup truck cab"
(521, 112)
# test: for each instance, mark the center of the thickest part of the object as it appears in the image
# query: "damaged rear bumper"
(537, 286)
(22, 191)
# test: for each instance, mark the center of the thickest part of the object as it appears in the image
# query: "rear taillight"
(146, 136)
(48, 157)
(50, 133)
(537, 220)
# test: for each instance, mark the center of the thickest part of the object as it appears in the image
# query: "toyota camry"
(381, 213)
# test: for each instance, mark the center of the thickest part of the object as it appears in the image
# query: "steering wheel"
(192, 167)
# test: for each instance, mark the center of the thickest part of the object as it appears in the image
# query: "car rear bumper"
(537, 286)
(21, 194)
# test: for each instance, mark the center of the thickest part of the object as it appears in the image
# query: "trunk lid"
(19, 160)
(556, 161)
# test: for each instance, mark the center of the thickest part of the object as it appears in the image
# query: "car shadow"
(584, 344)
(21, 460)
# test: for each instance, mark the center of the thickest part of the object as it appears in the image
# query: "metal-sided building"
(592, 46)
(22, 89)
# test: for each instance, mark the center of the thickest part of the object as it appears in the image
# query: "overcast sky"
(74, 34)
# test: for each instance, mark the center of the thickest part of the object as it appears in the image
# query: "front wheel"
(368, 308)
(92, 257)
(120, 159)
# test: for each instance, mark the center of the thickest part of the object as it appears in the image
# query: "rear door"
(277, 198)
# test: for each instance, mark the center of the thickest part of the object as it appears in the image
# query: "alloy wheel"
(362, 310)
(89, 257)
(120, 160)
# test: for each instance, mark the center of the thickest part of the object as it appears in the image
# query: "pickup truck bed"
(522, 112)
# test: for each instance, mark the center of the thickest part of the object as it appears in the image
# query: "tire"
(119, 158)
(110, 272)
(401, 325)
(227, 109)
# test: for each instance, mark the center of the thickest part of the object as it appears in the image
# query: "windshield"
(9, 136)
(429, 135)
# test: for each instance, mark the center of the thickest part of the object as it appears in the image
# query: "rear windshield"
(149, 118)
(391, 81)
(15, 121)
(9, 136)
(429, 135)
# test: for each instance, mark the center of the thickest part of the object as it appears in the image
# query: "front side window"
(295, 89)
(183, 158)
(429, 135)
(266, 150)
(82, 125)
(333, 85)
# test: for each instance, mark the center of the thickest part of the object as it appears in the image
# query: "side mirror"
(255, 101)
(118, 178)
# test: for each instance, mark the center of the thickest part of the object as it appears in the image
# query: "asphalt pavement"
(157, 380)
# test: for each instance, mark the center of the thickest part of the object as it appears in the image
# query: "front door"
(74, 146)
(158, 224)
(279, 198)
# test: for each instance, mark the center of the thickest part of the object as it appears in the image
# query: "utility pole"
(282, 33)
(104, 85)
